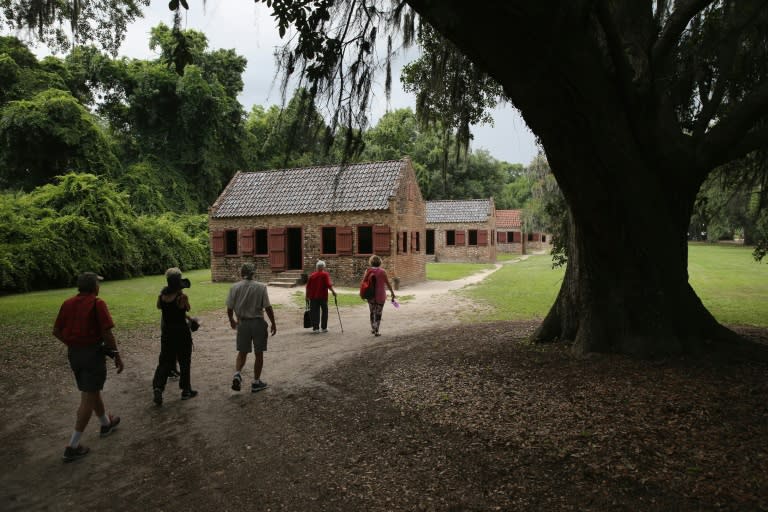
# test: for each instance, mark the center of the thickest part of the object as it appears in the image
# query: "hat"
(175, 281)
(88, 281)
(247, 270)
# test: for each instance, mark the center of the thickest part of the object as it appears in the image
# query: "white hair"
(173, 271)
(320, 264)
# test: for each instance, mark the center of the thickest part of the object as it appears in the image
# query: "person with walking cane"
(318, 284)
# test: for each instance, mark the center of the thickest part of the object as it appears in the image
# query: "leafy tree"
(635, 103)
(61, 23)
(179, 111)
(22, 76)
(47, 135)
(516, 190)
(290, 137)
(730, 203)
(450, 89)
(398, 134)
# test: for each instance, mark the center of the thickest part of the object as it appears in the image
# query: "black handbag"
(307, 317)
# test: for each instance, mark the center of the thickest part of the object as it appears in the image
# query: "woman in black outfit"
(175, 337)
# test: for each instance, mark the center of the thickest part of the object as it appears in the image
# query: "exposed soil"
(432, 415)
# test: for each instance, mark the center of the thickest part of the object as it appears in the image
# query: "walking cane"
(338, 312)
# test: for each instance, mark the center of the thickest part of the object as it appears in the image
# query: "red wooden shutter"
(482, 237)
(277, 248)
(218, 243)
(381, 240)
(344, 240)
(400, 239)
(246, 241)
(414, 241)
(501, 237)
(460, 237)
(516, 237)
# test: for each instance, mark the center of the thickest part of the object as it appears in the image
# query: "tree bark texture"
(628, 172)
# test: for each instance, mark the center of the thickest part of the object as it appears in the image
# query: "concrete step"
(287, 279)
(283, 284)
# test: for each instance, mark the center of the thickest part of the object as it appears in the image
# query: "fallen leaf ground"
(471, 418)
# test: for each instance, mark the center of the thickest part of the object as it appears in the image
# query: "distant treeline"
(109, 164)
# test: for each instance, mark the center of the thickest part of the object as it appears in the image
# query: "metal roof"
(333, 188)
(470, 210)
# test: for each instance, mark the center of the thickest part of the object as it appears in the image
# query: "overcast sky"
(249, 28)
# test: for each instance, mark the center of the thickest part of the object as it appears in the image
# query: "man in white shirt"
(248, 300)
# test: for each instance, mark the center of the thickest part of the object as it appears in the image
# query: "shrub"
(84, 223)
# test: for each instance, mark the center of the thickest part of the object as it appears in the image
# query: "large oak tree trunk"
(627, 292)
(626, 286)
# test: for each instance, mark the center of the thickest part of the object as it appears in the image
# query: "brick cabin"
(285, 220)
(511, 236)
(509, 231)
(461, 231)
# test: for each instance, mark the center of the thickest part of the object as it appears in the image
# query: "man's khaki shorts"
(252, 335)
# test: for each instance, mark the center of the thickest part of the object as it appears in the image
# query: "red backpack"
(368, 287)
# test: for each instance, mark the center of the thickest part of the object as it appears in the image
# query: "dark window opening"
(418, 242)
(405, 242)
(260, 242)
(365, 240)
(293, 248)
(329, 241)
(472, 237)
(430, 241)
(543, 238)
(530, 237)
(450, 237)
(231, 242)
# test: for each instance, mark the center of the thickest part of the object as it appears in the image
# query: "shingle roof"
(508, 218)
(471, 210)
(333, 188)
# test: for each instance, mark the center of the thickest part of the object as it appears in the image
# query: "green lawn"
(131, 302)
(518, 291)
(454, 271)
(730, 283)
(505, 256)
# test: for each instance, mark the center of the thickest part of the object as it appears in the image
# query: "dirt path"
(434, 415)
(38, 412)
(296, 354)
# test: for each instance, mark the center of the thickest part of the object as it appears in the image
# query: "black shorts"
(89, 366)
